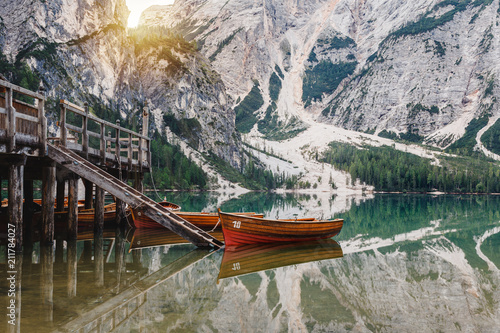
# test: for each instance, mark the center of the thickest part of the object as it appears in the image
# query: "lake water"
(402, 263)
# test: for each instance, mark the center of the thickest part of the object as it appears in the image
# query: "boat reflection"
(148, 237)
(253, 258)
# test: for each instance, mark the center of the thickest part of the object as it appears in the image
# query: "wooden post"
(130, 152)
(11, 120)
(28, 207)
(89, 194)
(120, 212)
(139, 155)
(138, 185)
(103, 144)
(42, 122)
(118, 145)
(85, 133)
(145, 119)
(61, 187)
(72, 259)
(99, 209)
(62, 126)
(73, 207)
(15, 209)
(48, 201)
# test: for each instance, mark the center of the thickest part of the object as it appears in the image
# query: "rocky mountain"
(82, 51)
(421, 68)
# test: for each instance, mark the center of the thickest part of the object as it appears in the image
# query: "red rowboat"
(239, 230)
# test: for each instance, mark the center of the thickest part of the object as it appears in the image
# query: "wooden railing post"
(139, 154)
(144, 132)
(103, 144)
(118, 145)
(62, 125)
(42, 122)
(85, 134)
(11, 120)
(130, 152)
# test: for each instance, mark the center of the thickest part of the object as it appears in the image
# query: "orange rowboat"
(199, 219)
(239, 230)
(87, 215)
(253, 258)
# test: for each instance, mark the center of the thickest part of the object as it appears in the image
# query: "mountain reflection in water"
(410, 263)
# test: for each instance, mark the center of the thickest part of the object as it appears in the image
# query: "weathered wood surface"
(132, 197)
(22, 124)
(73, 207)
(48, 202)
(133, 143)
(15, 197)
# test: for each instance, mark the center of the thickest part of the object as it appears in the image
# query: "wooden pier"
(102, 154)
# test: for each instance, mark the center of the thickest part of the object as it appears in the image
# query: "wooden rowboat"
(239, 230)
(139, 219)
(87, 215)
(253, 258)
(199, 219)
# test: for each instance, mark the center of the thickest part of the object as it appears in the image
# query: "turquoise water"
(402, 263)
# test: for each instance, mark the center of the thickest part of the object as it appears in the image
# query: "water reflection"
(410, 263)
(253, 258)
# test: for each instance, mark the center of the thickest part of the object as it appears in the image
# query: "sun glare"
(136, 7)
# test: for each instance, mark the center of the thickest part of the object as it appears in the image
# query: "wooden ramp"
(131, 196)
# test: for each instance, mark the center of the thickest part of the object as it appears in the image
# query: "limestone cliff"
(422, 67)
(82, 51)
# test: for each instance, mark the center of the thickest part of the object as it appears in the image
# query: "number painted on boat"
(236, 266)
(237, 224)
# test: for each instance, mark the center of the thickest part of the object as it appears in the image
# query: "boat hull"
(199, 219)
(240, 230)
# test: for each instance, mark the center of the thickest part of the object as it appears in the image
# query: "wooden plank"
(74, 128)
(21, 90)
(26, 117)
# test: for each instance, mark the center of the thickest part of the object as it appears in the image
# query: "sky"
(137, 6)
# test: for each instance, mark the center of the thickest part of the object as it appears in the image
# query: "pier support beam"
(15, 197)
(61, 187)
(73, 207)
(48, 200)
(99, 209)
(89, 193)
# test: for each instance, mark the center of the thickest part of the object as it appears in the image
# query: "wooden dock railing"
(22, 123)
(102, 141)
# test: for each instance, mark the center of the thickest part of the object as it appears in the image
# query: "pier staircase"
(131, 196)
